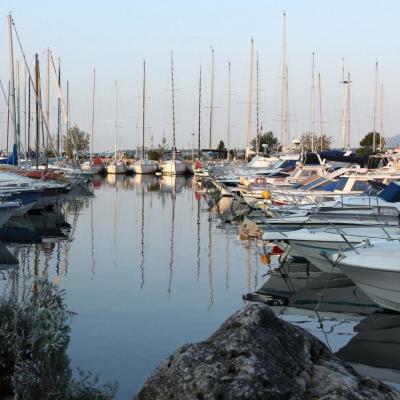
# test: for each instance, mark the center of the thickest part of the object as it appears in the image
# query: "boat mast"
(93, 108)
(37, 94)
(229, 110)
(212, 97)
(67, 122)
(348, 113)
(344, 112)
(250, 97)
(312, 102)
(375, 109)
(382, 141)
(29, 120)
(47, 111)
(116, 121)
(257, 107)
(285, 90)
(173, 106)
(12, 82)
(143, 106)
(199, 127)
(8, 115)
(18, 114)
(321, 134)
(59, 110)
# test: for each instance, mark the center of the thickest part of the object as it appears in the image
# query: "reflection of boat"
(172, 184)
(376, 345)
(45, 226)
(302, 285)
(7, 259)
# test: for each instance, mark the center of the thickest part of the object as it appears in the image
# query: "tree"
(221, 145)
(75, 142)
(307, 138)
(366, 143)
(267, 138)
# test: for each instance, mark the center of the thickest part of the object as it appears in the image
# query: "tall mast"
(116, 120)
(344, 111)
(312, 102)
(257, 107)
(375, 108)
(250, 96)
(25, 80)
(18, 114)
(173, 106)
(67, 124)
(93, 108)
(8, 116)
(229, 110)
(382, 141)
(199, 127)
(143, 106)
(348, 113)
(211, 98)
(321, 126)
(29, 120)
(47, 111)
(59, 109)
(12, 82)
(37, 94)
(285, 92)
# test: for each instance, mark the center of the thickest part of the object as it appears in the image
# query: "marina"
(190, 246)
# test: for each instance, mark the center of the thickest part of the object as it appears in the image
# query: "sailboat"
(116, 166)
(144, 166)
(173, 166)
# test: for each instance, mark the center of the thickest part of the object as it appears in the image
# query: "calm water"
(147, 269)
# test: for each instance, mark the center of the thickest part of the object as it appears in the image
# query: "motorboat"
(374, 267)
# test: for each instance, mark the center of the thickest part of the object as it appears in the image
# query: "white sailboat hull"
(144, 168)
(174, 168)
(115, 169)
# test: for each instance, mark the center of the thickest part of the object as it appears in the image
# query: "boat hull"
(174, 168)
(115, 169)
(144, 168)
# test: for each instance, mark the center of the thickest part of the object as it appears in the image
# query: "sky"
(115, 36)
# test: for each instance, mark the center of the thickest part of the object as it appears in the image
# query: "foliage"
(155, 154)
(307, 138)
(34, 336)
(75, 142)
(221, 145)
(267, 138)
(366, 143)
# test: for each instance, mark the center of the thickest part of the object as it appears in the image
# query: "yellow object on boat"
(266, 194)
(265, 259)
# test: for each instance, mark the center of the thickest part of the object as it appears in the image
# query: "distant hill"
(393, 141)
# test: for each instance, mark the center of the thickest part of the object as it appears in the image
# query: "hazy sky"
(114, 37)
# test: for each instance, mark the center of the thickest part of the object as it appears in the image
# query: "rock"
(255, 355)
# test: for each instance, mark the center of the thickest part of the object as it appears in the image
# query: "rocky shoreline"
(255, 355)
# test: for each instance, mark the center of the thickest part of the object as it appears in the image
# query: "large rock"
(255, 355)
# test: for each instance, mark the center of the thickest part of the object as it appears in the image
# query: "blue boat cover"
(391, 193)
